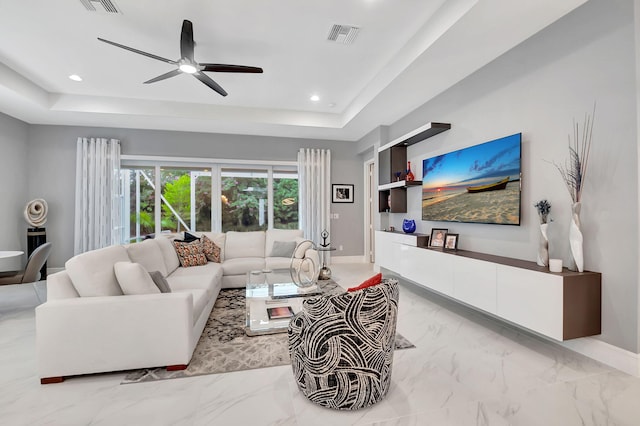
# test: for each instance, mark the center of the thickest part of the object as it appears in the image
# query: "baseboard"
(347, 259)
(606, 353)
(54, 270)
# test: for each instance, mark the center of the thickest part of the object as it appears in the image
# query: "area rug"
(224, 346)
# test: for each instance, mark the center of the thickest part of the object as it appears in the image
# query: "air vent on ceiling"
(344, 34)
(100, 6)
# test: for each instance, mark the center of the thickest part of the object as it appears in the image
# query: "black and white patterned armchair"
(341, 346)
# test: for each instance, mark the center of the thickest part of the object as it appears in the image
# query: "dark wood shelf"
(393, 159)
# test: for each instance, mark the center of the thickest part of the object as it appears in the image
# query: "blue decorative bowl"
(409, 226)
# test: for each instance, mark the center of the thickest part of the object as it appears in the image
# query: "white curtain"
(98, 194)
(314, 177)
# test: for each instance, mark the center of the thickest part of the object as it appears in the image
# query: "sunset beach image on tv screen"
(479, 184)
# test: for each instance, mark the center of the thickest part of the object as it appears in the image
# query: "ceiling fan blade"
(231, 68)
(209, 82)
(140, 52)
(164, 76)
(186, 40)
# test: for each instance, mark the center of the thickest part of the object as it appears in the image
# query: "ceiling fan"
(187, 64)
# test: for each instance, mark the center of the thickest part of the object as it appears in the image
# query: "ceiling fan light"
(188, 68)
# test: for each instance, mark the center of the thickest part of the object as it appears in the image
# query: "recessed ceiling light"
(75, 77)
(314, 98)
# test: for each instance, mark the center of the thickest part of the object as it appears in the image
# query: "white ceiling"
(407, 52)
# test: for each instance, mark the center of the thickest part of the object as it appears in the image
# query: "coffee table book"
(280, 312)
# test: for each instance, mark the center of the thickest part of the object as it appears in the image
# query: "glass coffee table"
(273, 298)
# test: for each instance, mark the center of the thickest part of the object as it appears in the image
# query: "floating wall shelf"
(392, 158)
(400, 184)
(417, 135)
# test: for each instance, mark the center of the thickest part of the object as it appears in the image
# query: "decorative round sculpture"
(409, 226)
(35, 213)
(304, 272)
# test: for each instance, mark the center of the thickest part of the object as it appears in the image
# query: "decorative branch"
(574, 170)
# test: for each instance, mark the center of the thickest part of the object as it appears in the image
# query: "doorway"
(370, 209)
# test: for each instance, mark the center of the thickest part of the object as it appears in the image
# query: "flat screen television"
(479, 184)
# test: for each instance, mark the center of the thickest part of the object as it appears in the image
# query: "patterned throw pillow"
(211, 250)
(190, 254)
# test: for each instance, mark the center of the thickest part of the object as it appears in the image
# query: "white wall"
(538, 88)
(14, 171)
(52, 175)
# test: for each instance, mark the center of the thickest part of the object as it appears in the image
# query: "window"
(285, 200)
(244, 200)
(211, 198)
(186, 199)
(139, 203)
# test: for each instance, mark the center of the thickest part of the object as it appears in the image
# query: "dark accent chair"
(342, 346)
(31, 272)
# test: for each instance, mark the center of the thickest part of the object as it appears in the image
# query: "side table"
(325, 272)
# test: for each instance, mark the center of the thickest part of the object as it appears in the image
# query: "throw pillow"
(160, 281)
(283, 248)
(134, 279)
(374, 280)
(211, 250)
(190, 254)
(189, 237)
(302, 246)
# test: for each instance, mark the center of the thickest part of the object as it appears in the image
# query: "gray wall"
(52, 175)
(538, 88)
(14, 171)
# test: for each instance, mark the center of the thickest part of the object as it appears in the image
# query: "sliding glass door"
(219, 197)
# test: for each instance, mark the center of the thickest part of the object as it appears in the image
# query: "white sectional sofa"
(89, 326)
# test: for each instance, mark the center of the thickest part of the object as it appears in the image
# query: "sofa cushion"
(278, 262)
(219, 238)
(169, 254)
(206, 277)
(285, 263)
(92, 272)
(190, 254)
(283, 249)
(211, 249)
(243, 265)
(273, 235)
(148, 254)
(133, 278)
(160, 281)
(244, 244)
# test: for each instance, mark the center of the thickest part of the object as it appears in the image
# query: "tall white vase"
(543, 246)
(575, 239)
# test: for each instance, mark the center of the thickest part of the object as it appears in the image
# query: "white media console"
(562, 306)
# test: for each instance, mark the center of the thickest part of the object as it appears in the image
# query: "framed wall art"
(341, 193)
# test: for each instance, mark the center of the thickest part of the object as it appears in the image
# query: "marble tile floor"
(467, 369)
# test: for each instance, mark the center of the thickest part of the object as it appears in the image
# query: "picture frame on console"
(341, 193)
(437, 237)
(451, 242)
